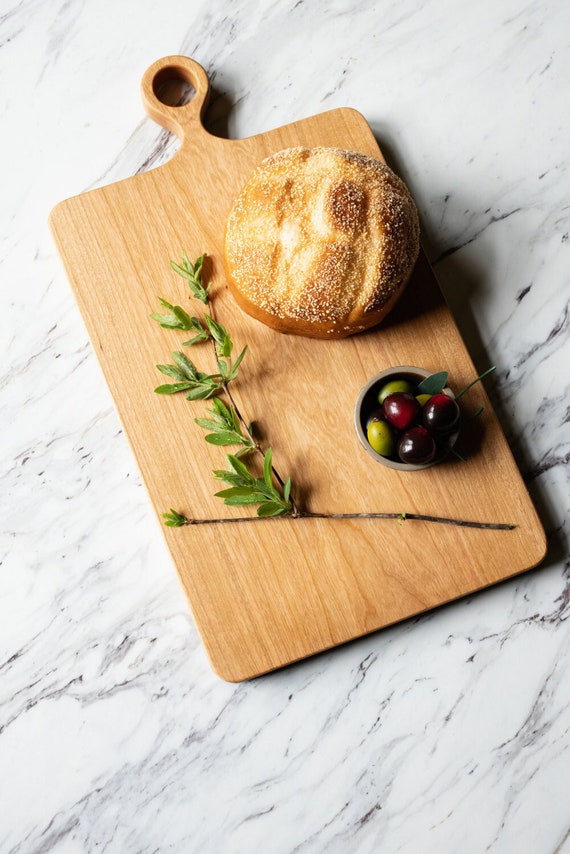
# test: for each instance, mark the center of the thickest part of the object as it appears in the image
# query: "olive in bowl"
(401, 427)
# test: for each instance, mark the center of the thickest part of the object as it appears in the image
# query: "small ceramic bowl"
(367, 401)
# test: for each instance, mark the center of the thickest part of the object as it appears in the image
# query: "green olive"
(380, 438)
(422, 399)
(375, 415)
(393, 387)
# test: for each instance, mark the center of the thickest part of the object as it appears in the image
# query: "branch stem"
(472, 383)
(403, 517)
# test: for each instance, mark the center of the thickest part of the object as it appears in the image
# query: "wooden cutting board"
(267, 593)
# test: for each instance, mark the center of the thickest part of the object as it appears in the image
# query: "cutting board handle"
(164, 85)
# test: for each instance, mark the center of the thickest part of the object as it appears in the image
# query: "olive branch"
(225, 425)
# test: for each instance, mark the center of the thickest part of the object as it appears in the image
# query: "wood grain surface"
(266, 593)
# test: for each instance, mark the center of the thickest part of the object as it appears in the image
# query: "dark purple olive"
(417, 446)
(441, 413)
(400, 409)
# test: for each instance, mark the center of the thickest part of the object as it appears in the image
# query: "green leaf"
(268, 491)
(193, 275)
(267, 473)
(171, 371)
(248, 447)
(224, 438)
(203, 391)
(221, 409)
(177, 318)
(167, 321)
(238, 361)
(240, 469)
(226, 347)
(223, 420)
(206, 423)
(227, 415)
(174, 519)
(228, 477)
(172, 388)
(183, 317)
(240, 496)
(244, 502)
(197, 339)
(236, 492)
(187, 367)
(202, 332)
(287, 489)
(433, 384)
(182, 270)
(219, 333)
(198, 264)
(272, 508)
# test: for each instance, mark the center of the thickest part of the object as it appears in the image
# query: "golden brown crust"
(321, 242)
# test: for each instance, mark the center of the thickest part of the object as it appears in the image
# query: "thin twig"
(402, 517)
(472, 383)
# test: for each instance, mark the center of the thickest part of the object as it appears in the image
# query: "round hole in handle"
(171, 88)
(175, 93)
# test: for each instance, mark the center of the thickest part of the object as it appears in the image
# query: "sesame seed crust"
(321, 242)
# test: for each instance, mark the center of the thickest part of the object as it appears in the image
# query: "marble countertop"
(445, 733)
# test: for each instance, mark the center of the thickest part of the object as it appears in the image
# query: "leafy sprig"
(224, 347)
(174, 519)
(246, 489)
(175, 318)
(178, 318)
(225, 427)
(192, 272)
(200, 386)
(225, 424)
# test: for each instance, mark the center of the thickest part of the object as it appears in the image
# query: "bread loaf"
(321, 242)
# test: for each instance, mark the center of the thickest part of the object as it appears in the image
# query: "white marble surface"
(448, 733)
